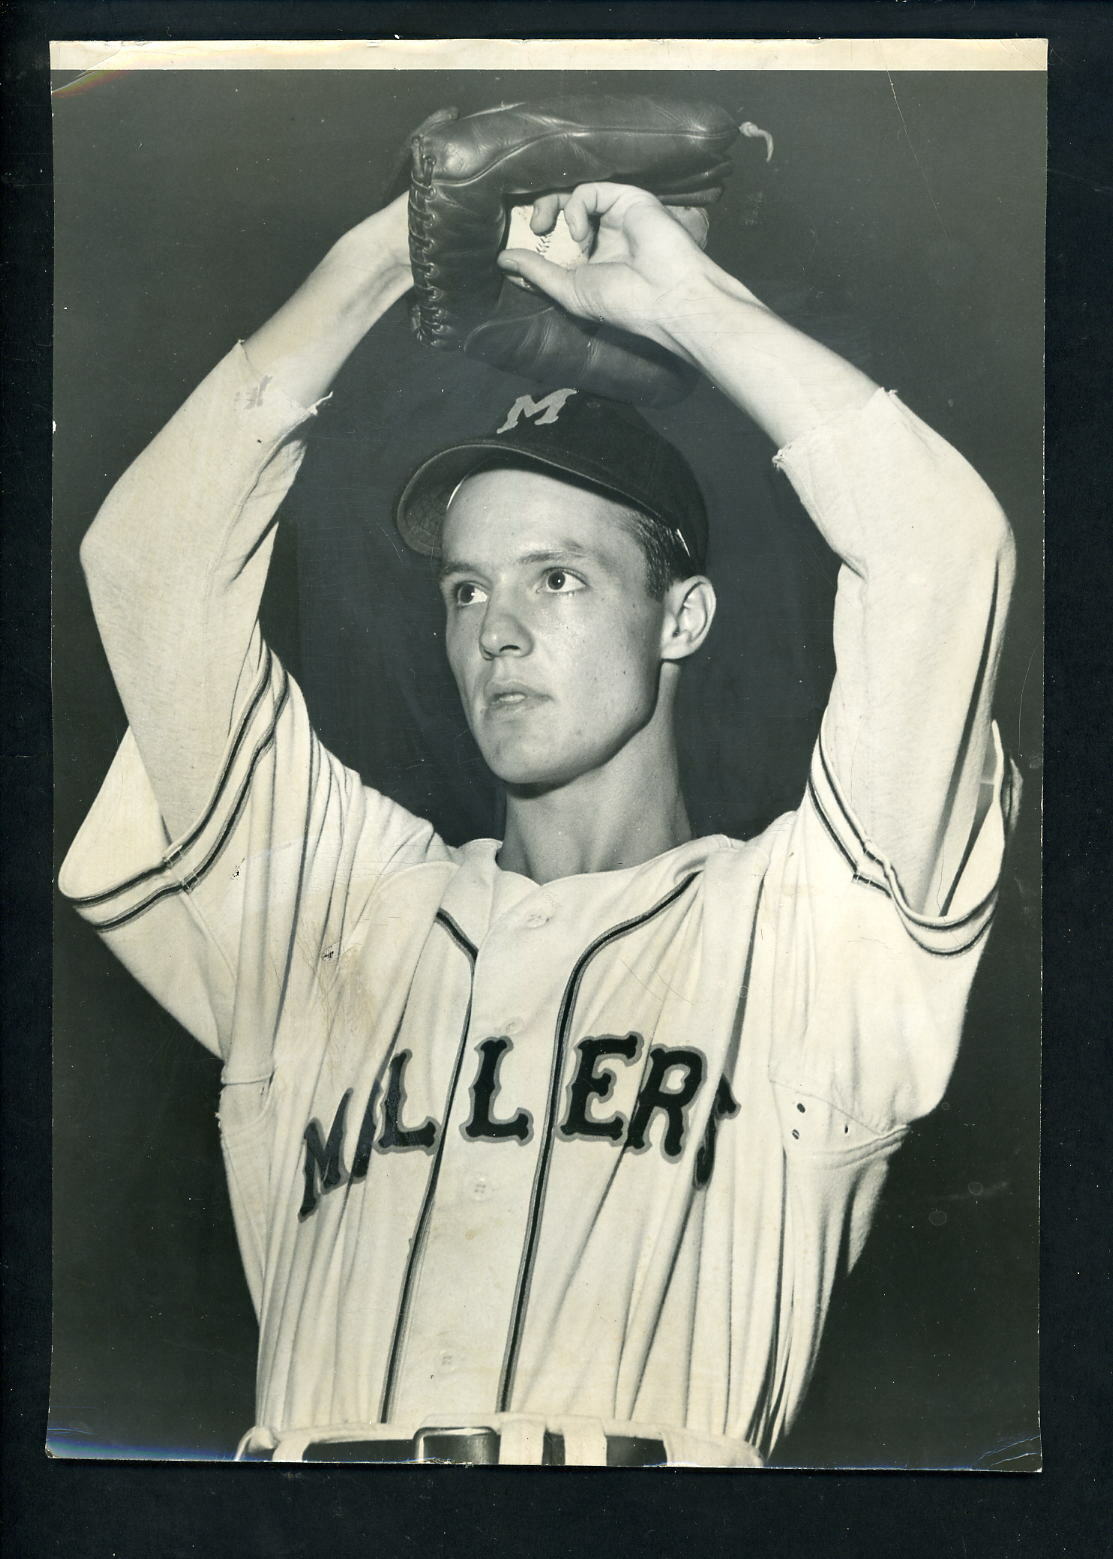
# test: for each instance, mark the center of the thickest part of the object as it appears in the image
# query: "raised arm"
(177, 557)
(927, 552)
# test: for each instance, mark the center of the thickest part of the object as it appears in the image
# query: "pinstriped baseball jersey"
(598, 1147)
(592, 1149)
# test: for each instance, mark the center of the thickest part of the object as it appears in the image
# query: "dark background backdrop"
(901, 221)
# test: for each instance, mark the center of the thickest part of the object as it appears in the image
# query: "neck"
(618, 815)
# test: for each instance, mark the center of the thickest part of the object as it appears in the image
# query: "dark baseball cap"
(604, 443)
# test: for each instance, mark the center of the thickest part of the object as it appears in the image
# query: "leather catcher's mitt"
(466, 175)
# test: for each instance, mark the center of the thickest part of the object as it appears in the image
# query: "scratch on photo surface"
(1080, 178)
(1020, 703)
(1026, 1445)
(915, 158)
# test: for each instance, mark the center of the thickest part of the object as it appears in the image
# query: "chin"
(533, 770)
(522, 775)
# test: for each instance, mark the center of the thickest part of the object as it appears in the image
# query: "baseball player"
(550, 1149)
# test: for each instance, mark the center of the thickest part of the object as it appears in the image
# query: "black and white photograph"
(547, 579)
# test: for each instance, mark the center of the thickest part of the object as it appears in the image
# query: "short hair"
(667, 558)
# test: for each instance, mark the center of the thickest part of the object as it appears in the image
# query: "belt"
(466, 1448)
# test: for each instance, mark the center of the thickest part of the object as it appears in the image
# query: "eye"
(558, 581)
(466, 593)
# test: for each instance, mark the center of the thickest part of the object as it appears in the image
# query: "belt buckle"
(452, 1431)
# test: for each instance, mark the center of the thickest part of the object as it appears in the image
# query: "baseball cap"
(589, 438)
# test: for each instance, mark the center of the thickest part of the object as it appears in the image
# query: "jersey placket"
(452, 1344)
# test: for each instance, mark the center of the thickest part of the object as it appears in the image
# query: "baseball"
(557, 245)
(560, 247)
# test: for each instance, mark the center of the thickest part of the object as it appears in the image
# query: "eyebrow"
(568, 549)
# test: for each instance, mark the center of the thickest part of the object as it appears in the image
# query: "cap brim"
(420, 511)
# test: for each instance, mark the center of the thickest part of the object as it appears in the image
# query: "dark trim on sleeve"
(937, 935)
(178, 850)
(186, 883)
(926, 921)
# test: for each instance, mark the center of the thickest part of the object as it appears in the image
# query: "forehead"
(495, 514)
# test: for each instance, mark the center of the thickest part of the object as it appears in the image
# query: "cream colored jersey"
(583, 1157)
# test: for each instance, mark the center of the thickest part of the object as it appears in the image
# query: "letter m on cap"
(546, 410)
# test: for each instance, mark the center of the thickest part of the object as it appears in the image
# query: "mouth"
(511, 696)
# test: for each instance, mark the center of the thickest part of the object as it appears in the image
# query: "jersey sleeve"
(175, 563)
(885, 878)
(244, 913)
(920, 611)
(869, 994)
(227, 852)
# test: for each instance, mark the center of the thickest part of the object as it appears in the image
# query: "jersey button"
(538, 917)
(512, 1026)
(481, 1189)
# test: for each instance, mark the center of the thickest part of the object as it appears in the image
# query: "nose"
(503, 631)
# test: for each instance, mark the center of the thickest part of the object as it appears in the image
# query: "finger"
(546, 209)
(553, 280)
(587, 202)
(592, 202)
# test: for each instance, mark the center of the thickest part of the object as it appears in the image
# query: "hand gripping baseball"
(466, 176)
(642, 260)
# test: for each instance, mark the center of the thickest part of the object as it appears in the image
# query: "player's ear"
(689, 613)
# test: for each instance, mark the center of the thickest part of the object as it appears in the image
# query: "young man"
(550, 1149)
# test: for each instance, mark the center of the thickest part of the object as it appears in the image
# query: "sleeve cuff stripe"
(845, 817)
(189, 880)
(859, 876)
(176, 851)
(931, 935)
(952, 952)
